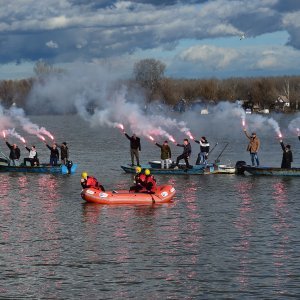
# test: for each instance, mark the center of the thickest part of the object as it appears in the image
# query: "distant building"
(282, 103)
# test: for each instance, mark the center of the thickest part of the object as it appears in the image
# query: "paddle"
(213, 148)
(217, 159)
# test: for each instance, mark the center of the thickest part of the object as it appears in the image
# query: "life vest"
(150, 182)
(140, 179)
(92, 182)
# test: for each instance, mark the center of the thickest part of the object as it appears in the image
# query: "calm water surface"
(224, 236)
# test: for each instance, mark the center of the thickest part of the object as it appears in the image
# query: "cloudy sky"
(194, 38)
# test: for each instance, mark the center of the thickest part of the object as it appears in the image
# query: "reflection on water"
(281, 226)
(229, 237)
(244, 225)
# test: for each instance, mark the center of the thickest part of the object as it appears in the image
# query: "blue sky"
(194, 38)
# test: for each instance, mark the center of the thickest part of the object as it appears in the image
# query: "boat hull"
(196, 170)
(162, 194)
(43, 168)
(269, 171)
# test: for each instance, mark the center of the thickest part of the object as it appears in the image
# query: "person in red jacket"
(138, 180)
(90, 182)
(149, 183)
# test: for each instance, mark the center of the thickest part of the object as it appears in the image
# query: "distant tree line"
(148, 74)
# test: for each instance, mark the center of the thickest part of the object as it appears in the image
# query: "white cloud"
(89, 30)
(210, 56)
(52, 44)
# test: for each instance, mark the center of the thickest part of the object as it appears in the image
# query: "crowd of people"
(32, 159)
(202, 157)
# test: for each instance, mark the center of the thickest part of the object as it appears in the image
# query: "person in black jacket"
(64, 153)
(135, 147)
(14, 154)
(287, 156)
(204, 150)
(54, 154)
(187, 150)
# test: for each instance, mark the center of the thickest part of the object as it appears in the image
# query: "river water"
(223, 237)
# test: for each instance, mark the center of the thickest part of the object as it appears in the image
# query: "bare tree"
(148, 73)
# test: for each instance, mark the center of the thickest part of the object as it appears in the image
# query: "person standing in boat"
(32, 158)
(64, 153)
(135, 147)
(187, 150)
(54, 154)
(90, 182)
(287, 156)
(253, 147)
(204, 150)
(14, 154)
(165, 154)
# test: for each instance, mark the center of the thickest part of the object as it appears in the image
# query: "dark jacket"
(14, 153)
(204, 146)
(187, 149)
(165, 151)
(287, 157)
(53, 152)
(64, 152)
(135, 143)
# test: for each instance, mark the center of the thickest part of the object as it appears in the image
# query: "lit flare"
(151, 138)
(189, 134)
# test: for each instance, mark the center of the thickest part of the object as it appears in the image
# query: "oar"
(213, 148)
(217, 159)
(4, 156)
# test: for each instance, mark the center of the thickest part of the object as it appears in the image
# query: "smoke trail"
(294, 125)
(5, 121)
(12, 132)
(27, 125)
(275, 126)
(119, 110)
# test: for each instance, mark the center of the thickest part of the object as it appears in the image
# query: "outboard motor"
(69, 165)
(239, 166)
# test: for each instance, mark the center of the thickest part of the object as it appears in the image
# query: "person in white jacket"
(204, 150)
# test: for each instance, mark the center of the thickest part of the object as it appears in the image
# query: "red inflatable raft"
(162, 194)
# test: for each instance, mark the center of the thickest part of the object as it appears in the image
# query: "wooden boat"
(162, 194)
(195, 170)
(42, 168)
(271, 171)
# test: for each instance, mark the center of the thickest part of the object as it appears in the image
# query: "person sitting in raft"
(54, 154)
(204, 150)
(14, 154)
(32, 158)
(165, 154)
(90, 182)
(187, 150)
(149, 183)
(138, 180)
(287, 156)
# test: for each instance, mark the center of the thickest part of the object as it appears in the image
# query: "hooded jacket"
(254, 143)
(204, 146)
(165, 151)
(287, 157)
